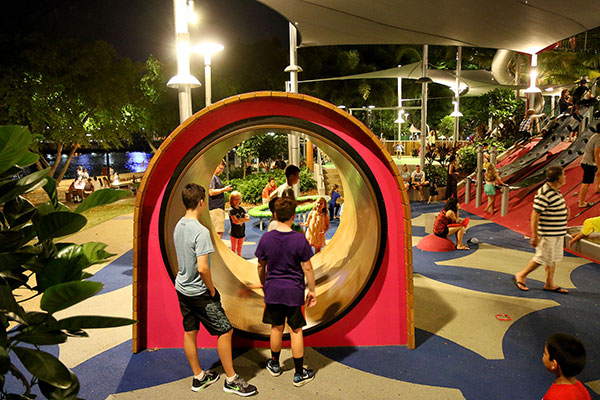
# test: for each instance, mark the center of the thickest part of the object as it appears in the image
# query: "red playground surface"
(521, 202)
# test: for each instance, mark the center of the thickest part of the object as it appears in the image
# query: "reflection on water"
(122, 162)
(137, 161)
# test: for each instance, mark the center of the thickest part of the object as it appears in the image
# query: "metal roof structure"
(527, 26)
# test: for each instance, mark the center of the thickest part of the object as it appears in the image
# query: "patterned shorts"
(205, 309)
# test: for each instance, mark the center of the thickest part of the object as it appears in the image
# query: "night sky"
(139, 28)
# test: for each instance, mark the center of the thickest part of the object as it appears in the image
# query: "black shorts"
(589, 173)
(443, 234)
(205, 309)
(433, 191)
(276, 314)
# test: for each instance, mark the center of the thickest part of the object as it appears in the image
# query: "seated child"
(590, 225)
(564, 356)
(283, 264)
(449, 223)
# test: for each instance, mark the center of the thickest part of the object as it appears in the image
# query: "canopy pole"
(293, 69)
(424, 105)
(400, 114)
(457, 98)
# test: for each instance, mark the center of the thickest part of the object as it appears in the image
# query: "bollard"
(504, 205)
(467, 190)
(478, 180)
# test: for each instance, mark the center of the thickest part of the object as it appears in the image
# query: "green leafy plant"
(252, 186)
(438, 172)
(467, 159)
(31, 262)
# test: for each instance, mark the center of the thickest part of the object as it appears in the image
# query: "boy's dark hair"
(451, 204)
(291, 170)
(191, 195)
(285, 208)
(272, 205)
(271, 178)
(553, 174)
(568, 352)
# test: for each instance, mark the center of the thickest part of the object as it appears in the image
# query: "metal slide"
(569, 155)
(557, 134)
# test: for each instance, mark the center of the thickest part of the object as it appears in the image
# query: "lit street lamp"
(208, 49)
(184, 80)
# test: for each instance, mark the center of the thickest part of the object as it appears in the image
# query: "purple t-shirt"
(283, 252)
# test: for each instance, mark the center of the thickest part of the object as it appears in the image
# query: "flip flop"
(586, 205)
(520, 285)
(558, 289)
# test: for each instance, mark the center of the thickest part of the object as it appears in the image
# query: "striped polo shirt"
(551, 206)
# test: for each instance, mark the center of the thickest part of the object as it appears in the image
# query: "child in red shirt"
(564, 356)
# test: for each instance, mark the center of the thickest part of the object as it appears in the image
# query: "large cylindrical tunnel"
(343, 269)
(364, 274)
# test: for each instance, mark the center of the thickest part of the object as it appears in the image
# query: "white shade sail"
(522, 25)
(477, 81)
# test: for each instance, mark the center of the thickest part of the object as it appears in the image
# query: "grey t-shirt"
(590, 147)
(192, 240)
(285, 190)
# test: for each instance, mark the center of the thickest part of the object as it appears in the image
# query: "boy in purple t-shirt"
(283, 262)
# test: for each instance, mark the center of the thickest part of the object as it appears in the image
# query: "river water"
(121, 162)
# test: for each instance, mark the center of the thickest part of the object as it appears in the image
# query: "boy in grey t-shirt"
(199, 300)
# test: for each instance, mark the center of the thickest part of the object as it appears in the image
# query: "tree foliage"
(29, 256)
(78, 94)
(266, 147)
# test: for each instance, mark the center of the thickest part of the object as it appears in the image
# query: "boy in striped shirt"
(548, 229)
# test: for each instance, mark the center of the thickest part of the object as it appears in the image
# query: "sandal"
(520, 285)
(557, 289)
(585, 205)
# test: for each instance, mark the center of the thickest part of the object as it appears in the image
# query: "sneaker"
(239, 387)
(273, 367)
(210, 377)
(306, 376)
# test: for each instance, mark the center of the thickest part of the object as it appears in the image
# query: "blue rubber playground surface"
(491, 357)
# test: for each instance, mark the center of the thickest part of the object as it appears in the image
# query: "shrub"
(467, 159)
(307, 181)
(28, 254)
(437, 171)
(251, 188)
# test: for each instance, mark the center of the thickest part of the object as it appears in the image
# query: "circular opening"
(344, 269)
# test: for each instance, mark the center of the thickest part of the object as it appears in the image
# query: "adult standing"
(589, 164)
(216, 200)
(452, 178)
(564, 103)
(548, 229)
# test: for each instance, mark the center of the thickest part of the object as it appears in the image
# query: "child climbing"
(491, 178)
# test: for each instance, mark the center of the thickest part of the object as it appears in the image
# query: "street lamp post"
(184, 81)
(208, 49)
(456, 113)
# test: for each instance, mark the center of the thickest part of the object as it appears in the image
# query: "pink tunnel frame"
(381, 314)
